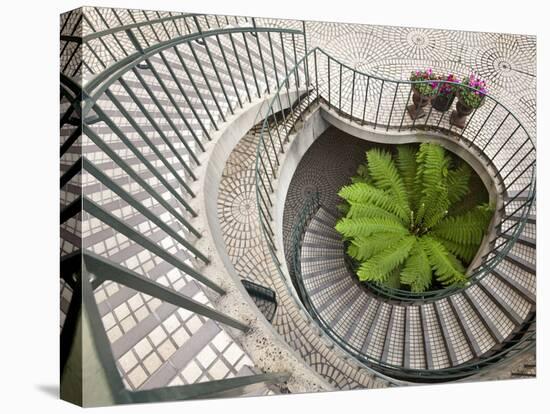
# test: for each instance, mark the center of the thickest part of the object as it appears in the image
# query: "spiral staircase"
(179, 137)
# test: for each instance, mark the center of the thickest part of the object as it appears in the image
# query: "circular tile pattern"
(417, 38)
(416, 43)
(356, 49)
(472, 39)
(320, 33)
(243, 207)
(506, 65)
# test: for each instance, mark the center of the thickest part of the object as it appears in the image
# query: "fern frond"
(457, 182)
(394, 278)
(436, 202)
(357, 210)
(352, 250)
(467, 228)
(446, 267)
(367, 194)
(386, 177)
(430, 179)
(466, 252)
(379, 266)
(402, 221)
(417, 272)
(434, 164)
(365, 226)
(368, 246)
(406, 164)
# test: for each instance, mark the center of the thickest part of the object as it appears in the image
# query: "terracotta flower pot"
(460, 114)
(419, 102)
(442, 103)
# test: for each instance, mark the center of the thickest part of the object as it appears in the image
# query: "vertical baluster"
(295, 57)
(197, 90)
(261, 57)
(276, 119)
(286, 86)
(405, 109)
(379, 101)
(165, 114)
(224, 57)
(273, 147)
(240, 67)
(506, 142)
(187, 25)
(299, 106)
(275, 70)
(328, 69)
(177, 107)
(159, 130)
(352, 95)
(216, 72)
(392, 105)
(267, 153)
(316, 71)
(366, 99)
(482, 125)
(496, 131)
(186, 97)
(251, 64)
(340, 92)
(469, 121)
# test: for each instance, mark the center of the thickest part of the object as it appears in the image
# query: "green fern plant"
(396, 219)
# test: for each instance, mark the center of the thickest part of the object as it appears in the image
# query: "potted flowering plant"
(445, 92)
(422, 92)
(471, 95)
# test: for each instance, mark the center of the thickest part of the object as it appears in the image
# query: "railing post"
(328, 70)
(340, 92)
(240, 67)
(378, 107)
(352, 95)
(316, 71)
(224, 57)
(392, 105)
(365, 103)
(251, 65)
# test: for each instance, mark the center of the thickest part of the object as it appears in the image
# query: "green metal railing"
(264, 297)
(107, 43)
(514, 171)
(523, 341)
(380, 104)
(85, 271)
(132, 138)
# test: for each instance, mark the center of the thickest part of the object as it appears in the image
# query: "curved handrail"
(497, 254)
(265, 178)
(75, 94)
(485, 267)
(513, 346)
(96, 86)
(181, 23)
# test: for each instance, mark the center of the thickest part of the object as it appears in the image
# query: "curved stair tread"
(448, 332)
